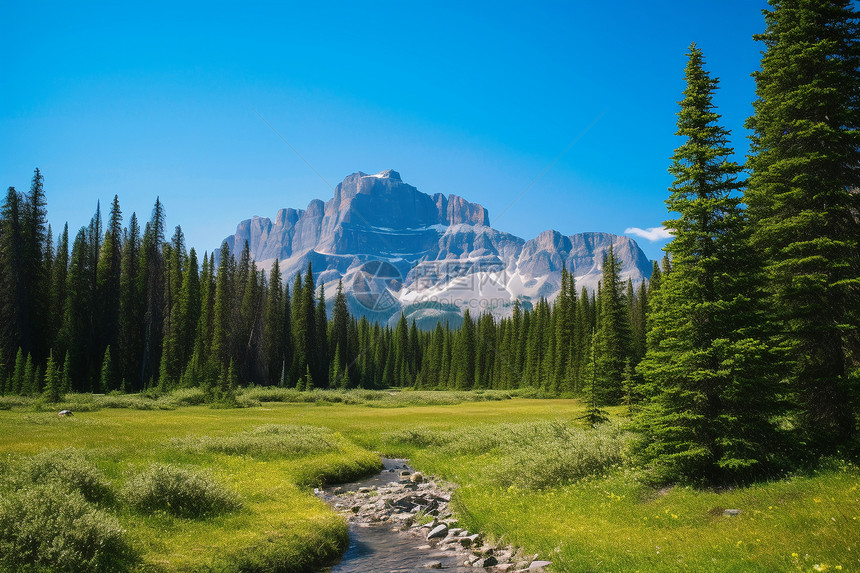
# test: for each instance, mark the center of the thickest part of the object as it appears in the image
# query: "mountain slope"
(398, 249)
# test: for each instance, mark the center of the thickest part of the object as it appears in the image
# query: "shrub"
(546, 454)
(265, 441)
(179, 492)
(47, 528)
(69, 470)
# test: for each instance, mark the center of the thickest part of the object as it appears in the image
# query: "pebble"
(414, 499)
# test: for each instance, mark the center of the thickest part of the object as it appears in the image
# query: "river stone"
(487, 562)
(433, 565)
(438, 531)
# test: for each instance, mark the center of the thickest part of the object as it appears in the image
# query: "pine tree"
(18, 373)
(152, 269)
(107, 379)
(14, 301)
(339, 339)
(34, 228)
(321, 340)
(51, 394)
(274, 328)
(108, 279)
(614, 345)
(804, 204)
(463, 359)
(78, 322)
(711, 393)
(222, 323)
(131, 308)
(59, 274)
(66, 376)
(28, 386)
(594, 413)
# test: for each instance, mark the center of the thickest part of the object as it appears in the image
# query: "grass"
(528, 473)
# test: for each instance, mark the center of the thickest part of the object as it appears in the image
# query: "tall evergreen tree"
(339, 338)
(59, 274)
(152, 270)
(109, 278)
(711, 392)
(35, 245)
(804, 203)
(614, 344)
(131, 308)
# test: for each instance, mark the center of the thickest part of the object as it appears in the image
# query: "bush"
(69, 470)
(265, 441)
(179, 492)
(547, 454)
(532, 454)
(47, 528)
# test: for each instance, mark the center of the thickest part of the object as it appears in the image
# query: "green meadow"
(170, 487)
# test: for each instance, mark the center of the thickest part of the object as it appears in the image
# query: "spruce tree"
(28, 378)
(66, 376)
(34, 225)
(107, 379)
(614, 344)
(339, 339)
(804, 204)
(131, 308)
(152, 270)
(51, 393)
(17, 378)
(712, 395)
(14, 296)
(273, 337)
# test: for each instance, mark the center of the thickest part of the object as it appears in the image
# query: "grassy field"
(528, 474)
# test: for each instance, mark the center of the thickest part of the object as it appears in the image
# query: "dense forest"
(128, 312)
(740, 357)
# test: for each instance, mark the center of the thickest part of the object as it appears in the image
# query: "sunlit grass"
(529, 473)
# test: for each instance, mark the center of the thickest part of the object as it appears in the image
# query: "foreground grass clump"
(70, 470)
(48, 528)
(371, 398)
(179, 492)
(265, 441)
(530, 454)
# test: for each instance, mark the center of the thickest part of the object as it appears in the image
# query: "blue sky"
(552, 115)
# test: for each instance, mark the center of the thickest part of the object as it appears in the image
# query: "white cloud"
(652, 234)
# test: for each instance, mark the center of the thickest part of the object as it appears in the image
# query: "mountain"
(398, 249)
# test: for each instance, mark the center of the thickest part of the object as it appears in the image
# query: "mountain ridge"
(389, 241)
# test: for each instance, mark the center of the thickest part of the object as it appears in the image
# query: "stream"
(382, 547)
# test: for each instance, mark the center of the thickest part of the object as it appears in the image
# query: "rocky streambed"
(399, 522)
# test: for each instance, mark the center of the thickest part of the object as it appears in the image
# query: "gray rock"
(731, 512)
(487, 562)
(427, 241)
(539, 565)
(433, 565)
(438, 532)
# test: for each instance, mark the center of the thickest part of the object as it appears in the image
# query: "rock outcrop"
(440, 252)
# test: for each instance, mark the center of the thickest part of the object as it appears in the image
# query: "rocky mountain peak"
(442, 248)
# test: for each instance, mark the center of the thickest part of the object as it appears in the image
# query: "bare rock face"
(437, 255)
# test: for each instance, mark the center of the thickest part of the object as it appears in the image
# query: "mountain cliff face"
(398, 249)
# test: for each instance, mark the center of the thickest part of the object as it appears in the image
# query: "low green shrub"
(531, 455)
(70, 470)
(48, 528)
(546, 454)
(179, 492)
(264, 441)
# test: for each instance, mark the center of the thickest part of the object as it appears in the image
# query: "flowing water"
(379, 548)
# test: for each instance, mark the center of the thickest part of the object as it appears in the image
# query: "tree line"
(125, 311)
